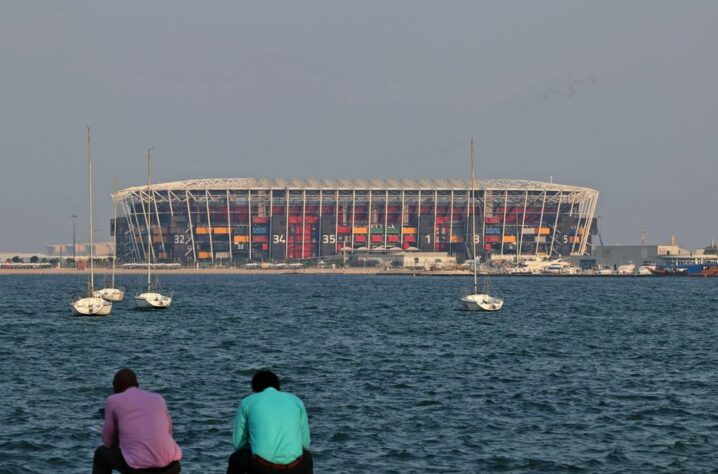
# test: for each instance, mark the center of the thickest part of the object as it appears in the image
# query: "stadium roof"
(231, 184)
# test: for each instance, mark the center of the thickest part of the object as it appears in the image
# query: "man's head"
(264, 379)
(124, 379)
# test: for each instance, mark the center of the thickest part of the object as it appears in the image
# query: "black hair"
(124, 379)
(264, 379)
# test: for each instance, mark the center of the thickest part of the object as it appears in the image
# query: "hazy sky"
(620, 96)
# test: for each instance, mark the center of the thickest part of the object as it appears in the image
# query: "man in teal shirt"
(271, 431)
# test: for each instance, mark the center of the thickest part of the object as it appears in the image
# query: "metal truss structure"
(234, 220)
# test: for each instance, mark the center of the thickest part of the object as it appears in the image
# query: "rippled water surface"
(575, 374)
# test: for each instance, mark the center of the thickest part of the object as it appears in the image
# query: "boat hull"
(110, 294)
(152, 301)
(481, 302)
(91, 306)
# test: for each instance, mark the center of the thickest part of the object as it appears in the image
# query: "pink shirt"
(144, 426)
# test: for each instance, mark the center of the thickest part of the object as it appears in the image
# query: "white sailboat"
(112, 293)
(478, 301)
(150, 299)
(91, 305)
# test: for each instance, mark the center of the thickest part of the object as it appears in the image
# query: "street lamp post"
(74, 247)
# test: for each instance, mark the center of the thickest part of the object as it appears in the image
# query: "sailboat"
(150, 299)
(91, 305)
(112, 293)
(478, 301)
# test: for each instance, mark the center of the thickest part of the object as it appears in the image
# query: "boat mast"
(149, 220)
(114, 245)
(89, 172)
(473, 216)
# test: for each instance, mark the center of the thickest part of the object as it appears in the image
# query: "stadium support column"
(354, 203)
(589, 220)
(503, 221)
(249, 220)
(403, 209)
(538, 232)
(434, 233)
(368, 227)
(418, 221)
(555, 223)
(159, 226)
(191, 227)
(209, 226)
(574, 238)
(451, 222)
(286, 225)
(169, 201)
(336, 224)
(523, 223)
(386, 216)
(147, 214)
(304, 218)
(319, 240)
(229, 230)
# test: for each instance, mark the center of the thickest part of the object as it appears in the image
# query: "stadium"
(232, 221)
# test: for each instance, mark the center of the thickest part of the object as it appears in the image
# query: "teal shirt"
(275, 425)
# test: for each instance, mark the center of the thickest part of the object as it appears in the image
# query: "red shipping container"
(393, 238)
(260, 238)
(405, 245)
(360, 238)
(492, 219)
(260, 220)
(409, 238)
(295, 219)
(492, 238)
(377, 238)
(265, 246)
(487, 247)
(312, 219)
(343, 230)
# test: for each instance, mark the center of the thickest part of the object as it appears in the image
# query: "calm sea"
(575, 374)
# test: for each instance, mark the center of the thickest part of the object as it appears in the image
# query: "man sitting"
(137, 433)
(271, 431)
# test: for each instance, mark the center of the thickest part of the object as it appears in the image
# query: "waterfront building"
(229, 221)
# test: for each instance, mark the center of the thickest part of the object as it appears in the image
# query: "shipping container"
(360, 230)
(493, 231)
(241, 239)
(260, 230)
(509, 239)
(260, 220)
(260, 238)
(377, 238)
(410, 230)
(360, 238)
(202, 230)
(492, 219)
(393, 238)
(492, 238)
(343, 230)
(457, 239)
(409, 238)
(221, 230)
(393, 230)
(204, 255)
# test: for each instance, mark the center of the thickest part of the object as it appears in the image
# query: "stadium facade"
(239, 220)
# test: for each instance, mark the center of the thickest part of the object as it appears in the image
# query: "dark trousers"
(240, 462)
(107, 459)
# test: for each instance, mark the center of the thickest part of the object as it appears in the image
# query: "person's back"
(137, 432)
(144, 428)
(271, 431)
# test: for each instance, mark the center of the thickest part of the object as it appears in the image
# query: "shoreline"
(284, 271)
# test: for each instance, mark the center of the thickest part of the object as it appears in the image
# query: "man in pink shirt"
(137, 434)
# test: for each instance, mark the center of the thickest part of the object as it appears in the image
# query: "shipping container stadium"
(231, 221)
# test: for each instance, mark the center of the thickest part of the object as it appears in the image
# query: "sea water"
(574, 374)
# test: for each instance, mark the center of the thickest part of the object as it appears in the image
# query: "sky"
(618, 96)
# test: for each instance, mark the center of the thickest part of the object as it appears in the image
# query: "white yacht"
(91, 305)
(112, 293)
(478, 301)
(151, 299)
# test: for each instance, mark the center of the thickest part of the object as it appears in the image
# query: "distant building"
(101, 249)
(615, 255)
